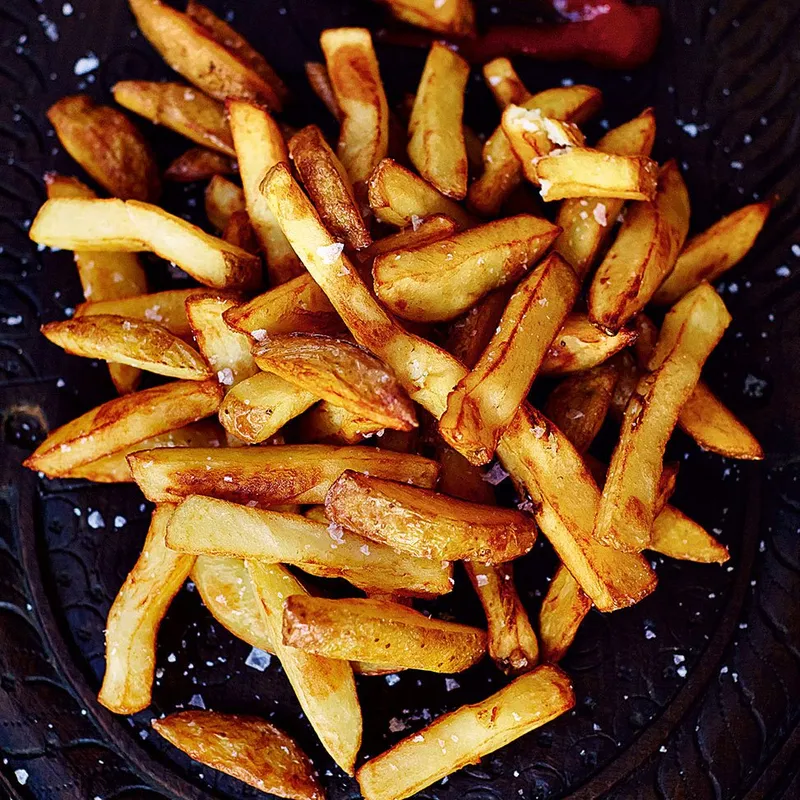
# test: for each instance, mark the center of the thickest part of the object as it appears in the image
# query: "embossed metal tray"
(694, 693)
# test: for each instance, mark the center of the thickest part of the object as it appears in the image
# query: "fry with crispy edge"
(504, 83)
(486, 400)
(563, 609)
(456, 17)
(131, 227)
(463, 736)
(223, 198)
(199, 164)
(121, 422)
(239, 232)
(134, 618)
(108, 146)
(425, 231)
(193, 51)
(677, 536)
(331, 424)
(320, 83)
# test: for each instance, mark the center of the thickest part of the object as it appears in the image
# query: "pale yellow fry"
(563, 609)
(456, 17)
(223, 199)
(677, 536)
(504, 83)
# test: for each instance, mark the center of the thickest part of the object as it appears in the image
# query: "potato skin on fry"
(563, 609)
(199, 164)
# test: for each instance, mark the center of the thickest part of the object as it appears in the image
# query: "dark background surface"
(694, 693)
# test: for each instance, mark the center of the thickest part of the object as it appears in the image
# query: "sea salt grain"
(259, 334)
(392, 679)
(225, 376)
(329, 253)
(451, 684)
(600, 214)
(95, 520)
(197, 701)
(21, 775)
(495, 475)
(87, 64)
(258, 659)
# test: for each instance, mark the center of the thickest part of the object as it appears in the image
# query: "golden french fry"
(504, 83)
(108, 146)
(329, 187)
(199, 164)
(356, 81)
(677, 536)
(239, 232)
(456, 17)
(713, 252)
(425, 231)
(469, 334)
(320, 83)
(486, 400)
(135, 616)
(439, 281)
(464, 736)
(690, 332)
(193, 50)
(341, 373)
(563, 609)
(180, 108)
(121, 422)
(327, 423)
(223, 199)
(436, 137)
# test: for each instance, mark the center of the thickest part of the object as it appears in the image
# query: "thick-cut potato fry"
(341, 373)
(398, 197)
(120, 340)
(584, 172)
(713, 252)
(356, 81)
(425, 231)
(690, 332)
(180, 108)
(464, 736)
(132, 226)
(268, 476)
(329, 187)
(563, 609)
(486, 400)
(439, 281)
(108, 146)
(259, 146)
(134, 618)
(327, 423)
(223, 198)
(193, 51)
(380, 632)
(248, 748)
(469, 334)
(320, 83)
(456, 17)
(122, 422)
(504, 83)
(199, 164)
(426, 524)
(436, 144)
(325, 687)
(677, 536)
(239, 232)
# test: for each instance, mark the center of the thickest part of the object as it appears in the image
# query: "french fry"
(486, 400)
(223, 199)
(464, 736)
(470, 333)
(145, 345)
(456, 17)
(355, 78)
(436, 137)
(563, 609)
(180, 108)
(108, 146)
(320, 83)
(325, 687)
(504, 83)
(132, 226)
(398, 197)
(259, 146)
(341, 373)
(199, 164)
(135, 616)
(239, 232)
(267, 476)
(193, 51)
(690, 332)
(121, 422)
(329, 187)
(439, 281)
(426, 524)
(327, 423)
(248, 748)
(713, 252)
(677, 536)
(388, 634)
(426, 231)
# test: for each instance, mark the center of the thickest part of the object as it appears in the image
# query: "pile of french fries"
(424, 290)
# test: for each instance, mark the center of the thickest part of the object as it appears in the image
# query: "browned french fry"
(135, 616)
(327, 423)
(239, 232)
(249, 748)
(439, 281)
(193, 51)
(455, 17)
(223, 198)
(470, 333)
(714, 251)
(121, 422)
(486, 400)
(320, 83)
(468, 733)
(504, 83)
(108, 146)
(425, 231)
(199, 164)
(677, 536)
(180, 108)
(563, 609)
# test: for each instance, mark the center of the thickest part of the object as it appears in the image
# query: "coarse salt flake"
(495, 475)
(258, 659)
(95, 520)
(259, 334)
(225, 376)
(329, 253)
(86, 64)
(21, 775)
(600, 214)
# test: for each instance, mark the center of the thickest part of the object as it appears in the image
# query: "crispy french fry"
(486, 400)
(341, 373)
(239, 232)
(223, 198)
(426, 524)
(121, 422)
(677, 536)
(469, 334)
(132, 226)
(108, 146)
(355, 78)
(462, 737)
(563, 609)
(327, 423)
(713, 252)
(199, 164)
(690, 332)
(329, 187)
(425, 231)
(193, 51)
(120, 340)
(436, 137)
(320, 83)
(504, 83)
(248, 748)
(180, 108)
(135, 616)
(439, 281)
(456, 17)
(259, 146)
